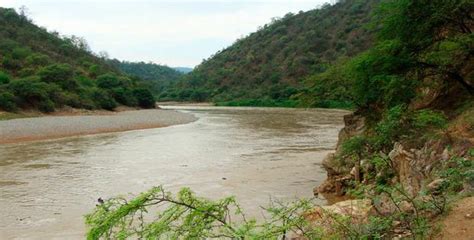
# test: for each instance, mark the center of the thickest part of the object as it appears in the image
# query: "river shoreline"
(74, 124)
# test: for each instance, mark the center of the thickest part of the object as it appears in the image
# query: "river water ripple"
(253, 153)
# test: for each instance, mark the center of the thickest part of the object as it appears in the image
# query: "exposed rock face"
(355, 211)
(403, 162)
(337, 176)
(435, 185)
(412, 164)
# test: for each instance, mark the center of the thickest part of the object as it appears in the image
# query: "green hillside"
(183, 69)
(45, 71)
(159, 77)
(270, 64)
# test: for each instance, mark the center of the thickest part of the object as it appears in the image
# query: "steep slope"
(159, 77)
(45, 71)
(272, 62)
(183, 69)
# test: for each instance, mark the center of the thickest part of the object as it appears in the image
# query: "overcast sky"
(174, 33)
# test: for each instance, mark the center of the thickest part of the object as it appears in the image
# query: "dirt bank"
(48, 127)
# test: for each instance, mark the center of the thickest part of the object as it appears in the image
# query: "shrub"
(46, 106)
(108, 81)
(428, 118)
(10, 63)
(103, 99)
(72, 100)
(20, 53)
(144, 97)
(186, 216)
(26, 72)
(31, 92)
(390, 127)
(7, 101)
(60, 74)
(37, 60)
(124, 96)
(4, 78)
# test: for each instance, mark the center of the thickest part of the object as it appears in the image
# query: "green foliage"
(283, 53)
(103, 99)
(144, 97)
(124, 96)
(356, 145)
(4, 78)
(428, 118)
(186, 216)
(108, 81)
(375, 80)
(390, 128)
(329, 89)
(44, 71)
(456, 172)
(60, 74)
(160, 78)
(7, 101)
(32, 92)
(38, 60)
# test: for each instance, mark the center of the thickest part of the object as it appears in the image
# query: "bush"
(390, 128)
(26, 72)
(108, 81)
(46, 106)
(103, 99)
(32, 93)
(37, 60)
(72, 100)
(124, 96)
(7, 101)
(427, 118)
(10, 63)
(144, 97)
(20, 53)
(60, 74)
(4, 78)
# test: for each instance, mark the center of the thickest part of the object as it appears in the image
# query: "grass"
(10, 115)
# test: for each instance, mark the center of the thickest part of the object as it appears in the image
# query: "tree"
(426, 29)
(60, 74)
(144, 97)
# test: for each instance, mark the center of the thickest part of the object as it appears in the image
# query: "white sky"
(174, 33)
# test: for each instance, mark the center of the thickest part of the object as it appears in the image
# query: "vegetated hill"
(270, 64)
(183, 69)
(44, 70)
(159, 77)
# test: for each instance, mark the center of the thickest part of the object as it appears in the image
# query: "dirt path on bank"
(459, 224)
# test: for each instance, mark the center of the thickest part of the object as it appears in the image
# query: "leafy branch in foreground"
(186, 216)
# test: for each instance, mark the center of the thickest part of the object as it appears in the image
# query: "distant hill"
(160, 77)
(183, 69)
(272, 62)
(44, 70)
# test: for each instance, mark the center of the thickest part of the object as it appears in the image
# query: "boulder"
(354, 211)
(435, 185)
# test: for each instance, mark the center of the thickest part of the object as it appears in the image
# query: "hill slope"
(272, 62)
(43, 70)
(183, 69)
(159, 77)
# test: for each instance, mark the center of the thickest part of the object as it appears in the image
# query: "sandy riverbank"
(50, 126)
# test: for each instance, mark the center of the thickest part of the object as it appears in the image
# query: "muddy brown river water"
(256, 154)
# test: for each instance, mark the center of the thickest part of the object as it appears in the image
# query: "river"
(256, 154)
